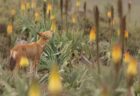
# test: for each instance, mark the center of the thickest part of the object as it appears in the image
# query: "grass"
(71, 50)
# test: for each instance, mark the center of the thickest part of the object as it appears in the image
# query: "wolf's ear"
(42, 35)
(50, 34)
(39, 34)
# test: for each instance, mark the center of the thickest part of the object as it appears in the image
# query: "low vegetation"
(91, 53)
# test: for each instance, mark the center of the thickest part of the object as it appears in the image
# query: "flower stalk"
(96, 18)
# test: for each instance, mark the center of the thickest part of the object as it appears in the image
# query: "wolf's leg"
(36, 61)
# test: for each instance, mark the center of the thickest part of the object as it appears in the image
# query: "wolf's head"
(46, 35)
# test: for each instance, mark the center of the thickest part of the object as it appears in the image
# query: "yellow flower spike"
(33, 4)
(92, 36)
(116, 53)
(54, 81)
(109, 14)
(74, 18)
(13, 12)
(118, 32)
(23, 6)
(49, 8)
(37, 16)
(52, 17)
(9, 28)
(78, 3)
(28, 6)
(34, 89)
(126, 34)
(132, 67)
(127, 57)
(53, 26)
(24, 62)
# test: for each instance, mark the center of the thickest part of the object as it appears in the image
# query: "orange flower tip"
(34, 89)
(116, 53)
(9, 28)
(126, 34)
(53, 26)
(127, 57)
(54, 82)
(92, 36)
(23, 6)
(49, 8)
(132, 67)
(28, 6)
(52, 17)
(33, 4)
(37, 16)
(13, 12)
(109, 14)
(74, 19)
(78, 3)
(24, 62)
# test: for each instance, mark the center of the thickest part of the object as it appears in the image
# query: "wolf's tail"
(12, 61)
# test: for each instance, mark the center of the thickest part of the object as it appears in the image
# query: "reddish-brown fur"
(32, 51)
